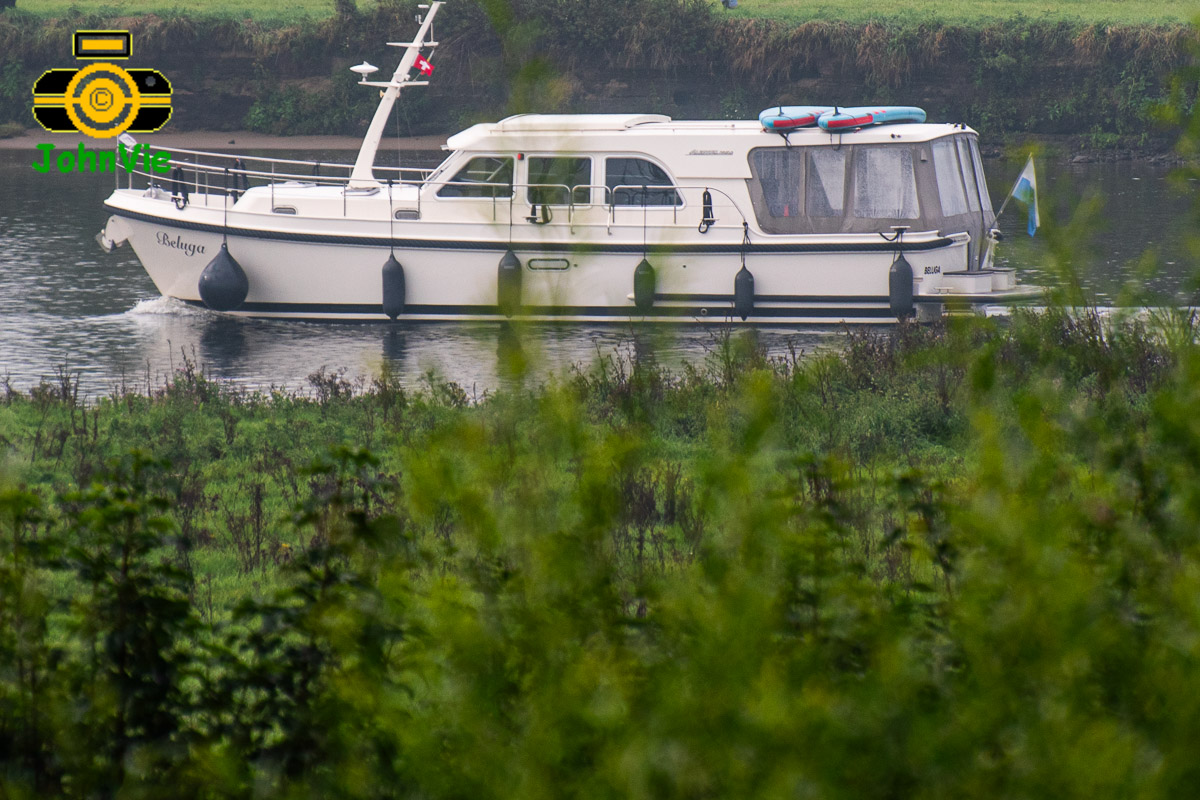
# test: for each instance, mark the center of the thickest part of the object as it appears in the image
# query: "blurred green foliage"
(948, 561)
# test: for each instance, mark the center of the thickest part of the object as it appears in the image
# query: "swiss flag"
(423, 65)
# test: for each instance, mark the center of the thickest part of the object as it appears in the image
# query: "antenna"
(364, 69)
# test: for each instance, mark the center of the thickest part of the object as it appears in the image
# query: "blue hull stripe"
(413, 309)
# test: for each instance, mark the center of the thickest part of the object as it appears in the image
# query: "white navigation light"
(364, 69)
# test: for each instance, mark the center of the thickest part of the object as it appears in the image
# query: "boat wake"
(165, 306)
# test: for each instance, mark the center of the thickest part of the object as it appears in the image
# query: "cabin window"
(949, 178)
(826, 186)
(483, 176)
(630, 182)
(865, 188)
(560, 181)
(968, 171)
(984, 199)
(885, 186)
(780, 175)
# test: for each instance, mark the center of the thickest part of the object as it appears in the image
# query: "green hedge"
(673, 56)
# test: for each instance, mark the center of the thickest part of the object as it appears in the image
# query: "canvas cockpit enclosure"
(934, 185)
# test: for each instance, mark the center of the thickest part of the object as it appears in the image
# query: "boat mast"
(363, 176)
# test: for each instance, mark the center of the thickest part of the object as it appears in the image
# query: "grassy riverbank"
(892, 403)
(1075, 74)
(792, 11)
(854, 572)
(295, 11)
(1077, 11)
(235, 457)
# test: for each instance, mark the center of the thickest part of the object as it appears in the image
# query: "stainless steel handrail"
(512, 192)
(233, 156)
(268, 178)
(421, 171)
(680, 189)
(505, 192)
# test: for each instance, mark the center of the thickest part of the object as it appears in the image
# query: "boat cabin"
(928, 177)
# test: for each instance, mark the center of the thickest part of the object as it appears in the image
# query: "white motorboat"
(596, 217)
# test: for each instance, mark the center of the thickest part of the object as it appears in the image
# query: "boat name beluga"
(190, 248)
(813, 214)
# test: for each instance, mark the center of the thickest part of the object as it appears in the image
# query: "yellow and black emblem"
(102, 100)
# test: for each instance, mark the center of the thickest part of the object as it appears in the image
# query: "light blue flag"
(1026, 192)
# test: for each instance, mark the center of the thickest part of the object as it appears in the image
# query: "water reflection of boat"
(582, 217)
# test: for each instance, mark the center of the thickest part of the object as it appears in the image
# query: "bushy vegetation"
(1103, 11)
(1077, 74)
(945, 561)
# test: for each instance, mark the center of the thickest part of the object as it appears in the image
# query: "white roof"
(576, 122)
(709, 148)
(605, 131)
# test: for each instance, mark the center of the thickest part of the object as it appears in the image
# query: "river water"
(65, 304)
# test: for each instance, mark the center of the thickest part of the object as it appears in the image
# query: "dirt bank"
(226, 140)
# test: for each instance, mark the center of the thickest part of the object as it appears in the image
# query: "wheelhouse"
(934, 185)
(923, 177)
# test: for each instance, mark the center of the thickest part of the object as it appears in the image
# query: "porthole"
(549, 263)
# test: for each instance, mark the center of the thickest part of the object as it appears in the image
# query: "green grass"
(296, 9)
(794, 11)
(1110, 11)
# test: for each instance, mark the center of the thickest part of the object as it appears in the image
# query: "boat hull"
(337, 275)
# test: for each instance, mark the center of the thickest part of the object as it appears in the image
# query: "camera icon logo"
(102, 99)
